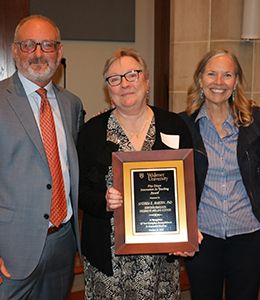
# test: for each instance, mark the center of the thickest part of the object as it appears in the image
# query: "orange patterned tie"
(58, 205)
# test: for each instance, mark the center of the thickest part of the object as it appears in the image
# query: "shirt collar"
(230, 120)
(203, 114)
(30, 87)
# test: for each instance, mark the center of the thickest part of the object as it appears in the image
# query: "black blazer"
(94, 159)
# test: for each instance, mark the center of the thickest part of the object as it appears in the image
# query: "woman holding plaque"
(132, 125)
(225, 126)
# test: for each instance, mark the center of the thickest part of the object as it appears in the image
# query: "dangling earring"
(147, 96)
(233, 95)
(201, 95)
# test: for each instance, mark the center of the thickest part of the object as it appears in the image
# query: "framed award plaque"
(159, 210)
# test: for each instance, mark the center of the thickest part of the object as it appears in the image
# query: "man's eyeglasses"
(29, 46)
(130, 76)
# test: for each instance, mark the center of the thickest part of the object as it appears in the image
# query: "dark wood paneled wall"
(162, 52)
(10, 14)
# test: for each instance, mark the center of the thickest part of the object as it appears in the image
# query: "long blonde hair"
(240, 106)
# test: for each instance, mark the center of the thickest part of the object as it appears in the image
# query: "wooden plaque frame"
(153, 165)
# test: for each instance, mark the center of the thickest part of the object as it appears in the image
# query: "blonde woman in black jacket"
(225, 128)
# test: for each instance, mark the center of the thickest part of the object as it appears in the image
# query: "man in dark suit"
(37, 249)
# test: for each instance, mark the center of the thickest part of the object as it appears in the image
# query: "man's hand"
(3, 270)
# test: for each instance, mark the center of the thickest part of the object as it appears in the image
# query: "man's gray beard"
(45, 76)
(29, 73)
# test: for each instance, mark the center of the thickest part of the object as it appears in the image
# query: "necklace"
(136, 135)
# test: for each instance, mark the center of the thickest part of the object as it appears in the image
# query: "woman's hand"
(114, 199)
(189, 254)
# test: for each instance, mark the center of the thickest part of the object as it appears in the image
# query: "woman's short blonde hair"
(126, 52)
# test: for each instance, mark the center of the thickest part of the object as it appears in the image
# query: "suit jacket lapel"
(65, 107)
(21, 106)
(66, 116)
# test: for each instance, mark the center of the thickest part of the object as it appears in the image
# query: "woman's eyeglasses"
(130, 76)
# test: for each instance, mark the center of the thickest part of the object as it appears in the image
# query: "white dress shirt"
(35, 102)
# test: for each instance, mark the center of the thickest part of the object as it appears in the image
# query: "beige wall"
(85, 59)
(198, 26)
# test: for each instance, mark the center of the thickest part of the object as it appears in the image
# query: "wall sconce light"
(251, 20)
